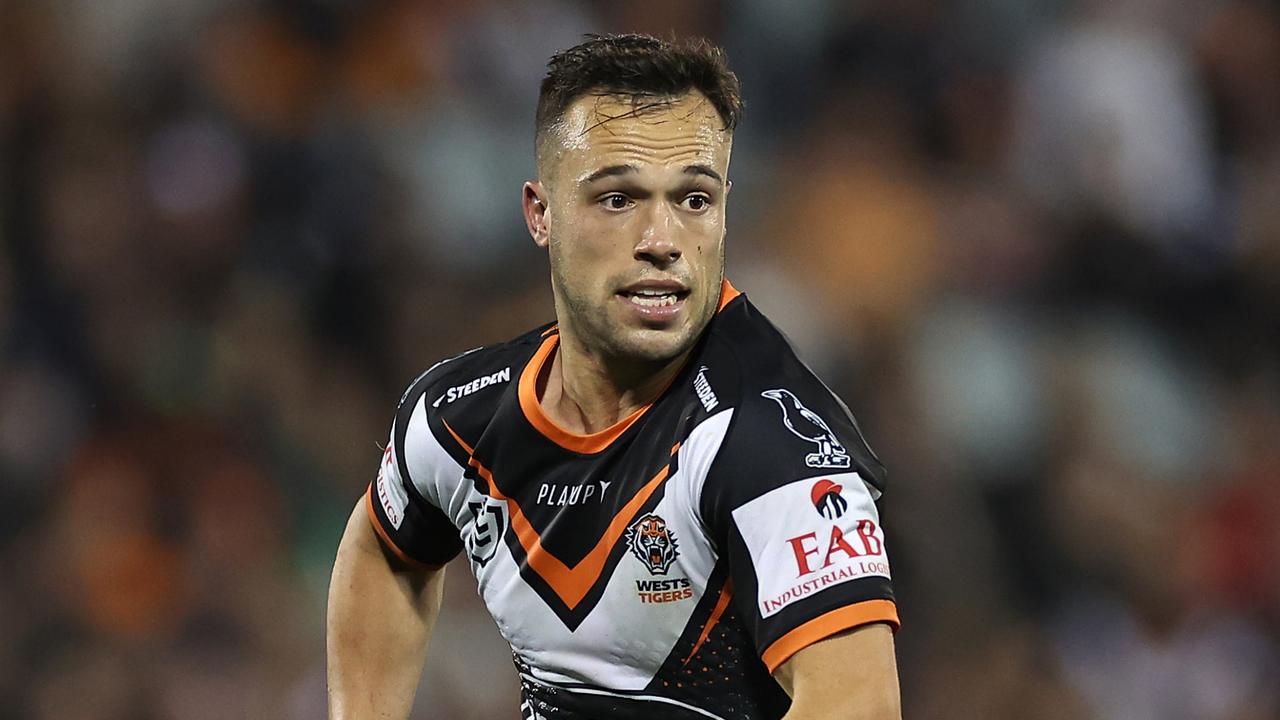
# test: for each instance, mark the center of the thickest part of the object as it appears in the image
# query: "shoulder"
(788, 424)
(764, 355)
(466, 388)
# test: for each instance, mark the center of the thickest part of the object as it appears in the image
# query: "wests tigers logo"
(650, 540)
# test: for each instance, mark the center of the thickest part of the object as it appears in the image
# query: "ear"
(535, 203)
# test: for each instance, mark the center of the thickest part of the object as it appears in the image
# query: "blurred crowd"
(1035, 245)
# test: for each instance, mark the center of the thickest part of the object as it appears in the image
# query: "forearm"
(379, 623)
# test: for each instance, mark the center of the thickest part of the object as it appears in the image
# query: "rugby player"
(667, 514)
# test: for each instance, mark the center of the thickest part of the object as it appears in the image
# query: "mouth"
(655, 292)
(655, 299)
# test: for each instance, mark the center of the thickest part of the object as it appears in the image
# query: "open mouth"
(654, 297)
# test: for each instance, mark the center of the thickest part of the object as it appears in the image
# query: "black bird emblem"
(806, 425)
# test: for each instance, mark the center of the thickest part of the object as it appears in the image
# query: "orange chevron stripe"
(571, 584)
(722, 603)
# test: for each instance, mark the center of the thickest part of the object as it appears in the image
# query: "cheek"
(581, 232)
(582, 256)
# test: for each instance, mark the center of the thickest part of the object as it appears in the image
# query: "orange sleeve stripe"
(386, 539)
(824, 626)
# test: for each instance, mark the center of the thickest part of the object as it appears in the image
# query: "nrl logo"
(650, 540)
(489, 522)
(806, 425)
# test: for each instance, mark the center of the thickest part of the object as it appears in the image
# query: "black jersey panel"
(791, 496)
(715, 665)
(426, 536)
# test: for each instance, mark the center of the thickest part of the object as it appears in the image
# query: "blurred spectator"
(1035, 245)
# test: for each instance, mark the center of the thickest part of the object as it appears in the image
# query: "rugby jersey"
(665, 566)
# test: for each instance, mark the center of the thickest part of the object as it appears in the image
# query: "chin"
(653, 346)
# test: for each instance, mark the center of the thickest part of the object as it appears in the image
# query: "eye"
(696, 202)
(616, 201)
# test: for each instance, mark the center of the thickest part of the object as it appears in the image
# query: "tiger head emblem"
(650, 540)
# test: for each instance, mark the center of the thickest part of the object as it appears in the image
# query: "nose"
(657, 243)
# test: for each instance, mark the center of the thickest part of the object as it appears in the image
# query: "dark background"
(1035, 245)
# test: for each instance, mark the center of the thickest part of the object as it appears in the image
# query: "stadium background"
(1035, 245)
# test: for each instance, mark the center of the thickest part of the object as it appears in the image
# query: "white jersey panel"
(647, 602)
(389, 486)
(434, 473)
(696, 455)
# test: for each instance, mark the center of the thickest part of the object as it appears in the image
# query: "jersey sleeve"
(791, 502)
(400, 502)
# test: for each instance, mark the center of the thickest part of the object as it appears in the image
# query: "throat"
(586, 396)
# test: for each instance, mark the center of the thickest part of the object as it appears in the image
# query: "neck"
(585, 393)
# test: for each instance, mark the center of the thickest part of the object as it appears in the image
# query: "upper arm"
(850, 675)
(404, 502)
(363, 541)
(379, 620)
(793, 510)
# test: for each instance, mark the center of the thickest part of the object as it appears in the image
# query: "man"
(668, 515)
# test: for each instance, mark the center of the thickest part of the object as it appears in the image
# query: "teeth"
(648, 300)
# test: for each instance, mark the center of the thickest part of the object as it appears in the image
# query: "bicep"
(403, 501)
(363, 541)
(380, 616)
(853, 674)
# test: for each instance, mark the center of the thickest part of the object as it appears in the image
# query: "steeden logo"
(702, 387)
(460, 391)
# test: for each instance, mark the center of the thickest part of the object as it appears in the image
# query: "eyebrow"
(615, 170)
(703, 170)
(611, 171)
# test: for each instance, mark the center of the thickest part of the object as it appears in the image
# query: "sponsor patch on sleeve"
(391, 493)
(810, 535)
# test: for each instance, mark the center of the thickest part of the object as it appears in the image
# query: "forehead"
(602, 130)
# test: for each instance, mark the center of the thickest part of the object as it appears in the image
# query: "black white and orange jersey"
(663, 567)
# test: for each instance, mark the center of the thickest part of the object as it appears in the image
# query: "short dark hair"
(641, 67)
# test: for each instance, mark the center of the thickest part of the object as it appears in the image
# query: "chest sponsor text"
(564, 494)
